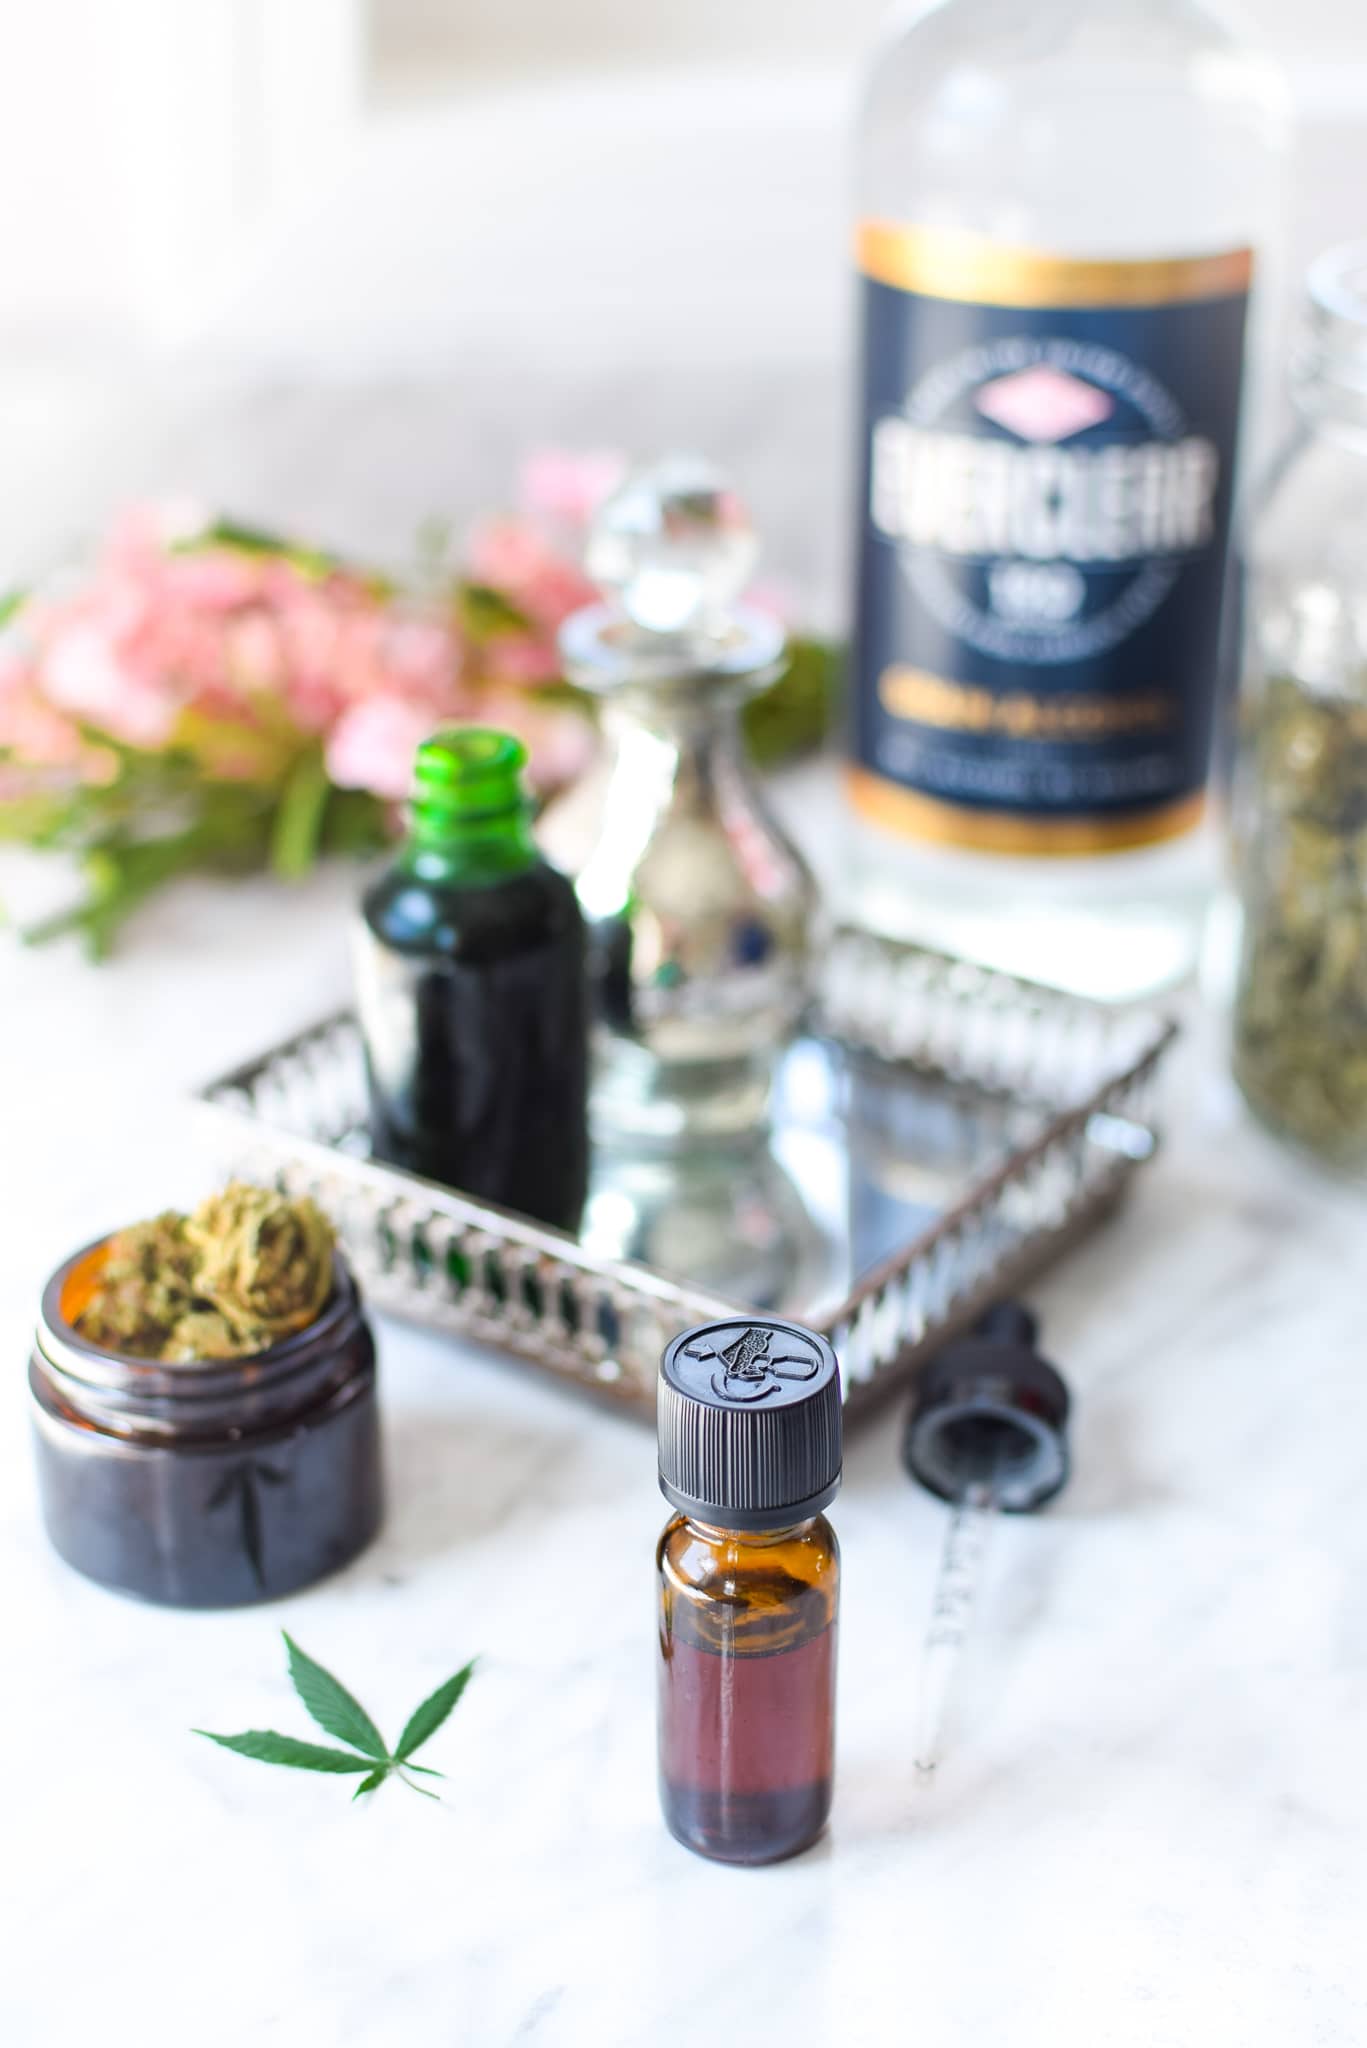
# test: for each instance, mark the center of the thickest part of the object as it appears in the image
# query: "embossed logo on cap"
(748, 1368)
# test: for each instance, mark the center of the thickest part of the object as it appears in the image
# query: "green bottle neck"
(470, 821)
(503, 846)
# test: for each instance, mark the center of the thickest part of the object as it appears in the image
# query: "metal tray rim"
(632, 1288)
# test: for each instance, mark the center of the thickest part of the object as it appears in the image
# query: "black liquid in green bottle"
(472, 992)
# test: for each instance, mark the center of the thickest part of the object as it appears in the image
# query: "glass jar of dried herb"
(1300, 1021)
(203, 1405)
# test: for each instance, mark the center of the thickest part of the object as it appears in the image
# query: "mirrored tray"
(941, 1135)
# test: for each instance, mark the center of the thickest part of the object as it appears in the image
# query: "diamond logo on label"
(1043, 404)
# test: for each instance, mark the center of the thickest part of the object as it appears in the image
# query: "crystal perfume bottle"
(698, 907)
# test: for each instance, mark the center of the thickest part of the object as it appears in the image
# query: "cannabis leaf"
(331, 1705)
(426, 1719)
(337, 1711)
(266, 1747)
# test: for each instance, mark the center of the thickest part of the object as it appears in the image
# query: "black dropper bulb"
(990, 1413)
(1010, 1322)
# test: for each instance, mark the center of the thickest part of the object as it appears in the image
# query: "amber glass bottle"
(472, 994)
(749, 1574)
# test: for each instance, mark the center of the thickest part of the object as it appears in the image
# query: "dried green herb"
(1300, 1035)
(339, 1713)
(145, 1287)
(265, 1261)
(248, 1267)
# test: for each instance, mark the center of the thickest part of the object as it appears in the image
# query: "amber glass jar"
(749, 1577)
(210, 1484)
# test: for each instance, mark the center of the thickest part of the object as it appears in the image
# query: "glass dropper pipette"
(956, 1591)
(988, 1434)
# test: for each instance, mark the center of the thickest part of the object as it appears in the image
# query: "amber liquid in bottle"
(747, 1686)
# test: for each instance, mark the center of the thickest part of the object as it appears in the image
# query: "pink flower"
(565, 487)
(37, 734)
(373, 743)
(83, 673)
(138, 542)
(522, 658)
(15, 670)
(214, 579)
(538, 579)
(254, 657)
(560, 744)
(259, 650)
(422, 656)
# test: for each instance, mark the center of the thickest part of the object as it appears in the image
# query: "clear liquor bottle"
(1068, 219)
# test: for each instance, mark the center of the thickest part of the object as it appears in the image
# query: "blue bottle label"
(1048, 458)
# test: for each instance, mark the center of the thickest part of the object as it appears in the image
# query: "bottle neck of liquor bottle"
(1068, 215)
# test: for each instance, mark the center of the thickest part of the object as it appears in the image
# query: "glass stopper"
(673, 546)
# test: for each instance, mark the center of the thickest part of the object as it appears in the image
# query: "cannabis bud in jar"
(1300, 1026)
(1300, 1040)
(246, 1268)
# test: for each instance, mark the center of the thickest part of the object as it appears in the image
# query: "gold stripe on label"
(955, 263)
(912, 816)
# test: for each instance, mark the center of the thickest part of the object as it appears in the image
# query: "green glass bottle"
(471, 991)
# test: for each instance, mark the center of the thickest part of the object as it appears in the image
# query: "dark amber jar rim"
(209, 1401)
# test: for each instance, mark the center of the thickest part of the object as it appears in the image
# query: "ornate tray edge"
(497, 1279)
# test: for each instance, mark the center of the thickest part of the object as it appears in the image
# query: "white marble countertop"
(1149, 1832)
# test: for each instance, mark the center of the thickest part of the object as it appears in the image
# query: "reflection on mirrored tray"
(882, 1152)
(885, 1203)
(860, 1158)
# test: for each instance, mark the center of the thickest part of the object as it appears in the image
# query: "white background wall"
(525, 33)
(150, 150)
(579, 219)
